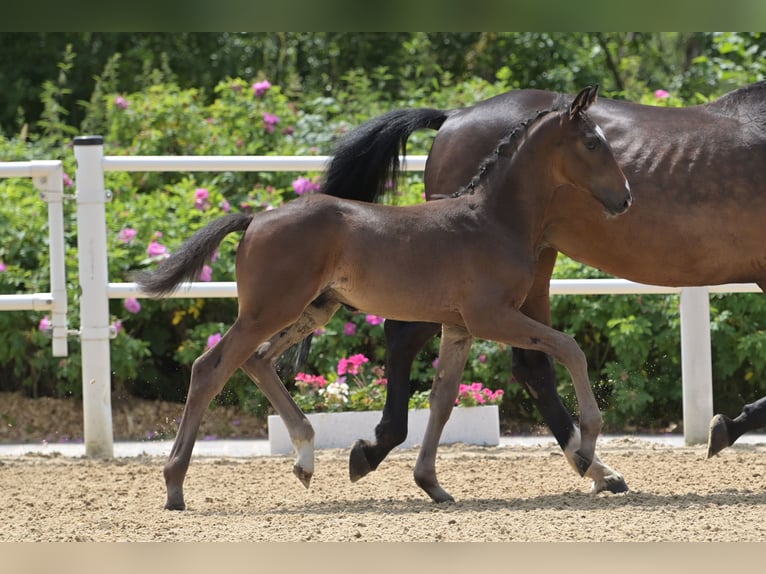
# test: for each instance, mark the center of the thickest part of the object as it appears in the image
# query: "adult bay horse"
(465, 263)
(697, 177)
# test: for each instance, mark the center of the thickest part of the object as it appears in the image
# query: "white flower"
(336, 391)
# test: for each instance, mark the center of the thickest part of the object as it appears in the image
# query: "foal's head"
(586, 159)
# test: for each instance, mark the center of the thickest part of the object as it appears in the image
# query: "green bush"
(632, 343)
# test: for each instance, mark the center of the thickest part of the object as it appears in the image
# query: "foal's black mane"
(521, 128)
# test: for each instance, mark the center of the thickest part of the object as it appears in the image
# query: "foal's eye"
(591, 144)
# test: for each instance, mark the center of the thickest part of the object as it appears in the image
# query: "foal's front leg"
(512, 327)
(453, 353)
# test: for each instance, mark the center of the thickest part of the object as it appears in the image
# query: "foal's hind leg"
(453, 353)
(209, 374)
(260, 368)
(403, 342)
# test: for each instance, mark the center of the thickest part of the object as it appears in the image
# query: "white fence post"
(696, 364)
(51, 187)
(94, 303)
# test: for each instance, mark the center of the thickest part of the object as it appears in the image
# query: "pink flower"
(3, 267)
(661, 95)
(374, 319)
(260, 88)
(225, 206)
(304, 185)
(45, 324)
(121, 102)
(482, 358)
(319, 332)
(206, 274)
(349, 328)
(352, 364)
(311, 380)
(269, 121)
(117, 326)
(213, 340)
(132, 305)
(156, 249)
(127, 234)
(68, 181)
(201, 197)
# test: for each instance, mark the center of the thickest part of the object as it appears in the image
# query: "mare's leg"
(403, 342)
(724, 431)
(453, 353)
(209, 374)
(260, 367)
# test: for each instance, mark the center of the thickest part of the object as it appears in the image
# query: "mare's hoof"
(614, 484)
(439, 495)
(358, 465)
(718, 436)
(303, 475)
(581, 463)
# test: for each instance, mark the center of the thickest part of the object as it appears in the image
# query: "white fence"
(48, 178)
(96, 290)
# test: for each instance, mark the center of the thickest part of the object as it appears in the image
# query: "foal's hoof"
(175, 499)
(614, 483)
(718, 436)
(303, 475)
(581, 463)
(358, 465)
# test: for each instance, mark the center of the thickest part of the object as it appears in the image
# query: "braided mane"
(500, 150)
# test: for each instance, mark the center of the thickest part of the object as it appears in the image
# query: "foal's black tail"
(186, 263)
(366, 159)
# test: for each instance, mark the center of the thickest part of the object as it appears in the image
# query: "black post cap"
(89, 140)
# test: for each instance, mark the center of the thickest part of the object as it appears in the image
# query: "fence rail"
(48, 178)
(96, 289)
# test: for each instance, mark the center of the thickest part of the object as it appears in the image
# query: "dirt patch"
(502, 494)
(26, 420)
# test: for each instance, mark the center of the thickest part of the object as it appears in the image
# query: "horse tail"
(186, 263)
(366, 160)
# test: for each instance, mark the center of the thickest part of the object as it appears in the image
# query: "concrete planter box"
(468, 425)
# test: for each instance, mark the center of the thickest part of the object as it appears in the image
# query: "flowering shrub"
(350, 388)
(476, 394)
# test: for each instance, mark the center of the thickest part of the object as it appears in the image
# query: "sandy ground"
(502, 494)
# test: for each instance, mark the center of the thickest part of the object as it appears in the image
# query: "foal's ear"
(583, 100)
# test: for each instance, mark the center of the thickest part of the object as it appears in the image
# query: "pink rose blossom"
(352, 364)
(206, 274)
(127, 234)
(349, 328)
(269, 121)
(304, 185)
(132, 305)
(661, 95)
(45, 324)
(213, 340)
(260, 88)
(374, 319)
(156, 249)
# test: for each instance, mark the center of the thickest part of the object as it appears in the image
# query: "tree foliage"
(163, 94)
